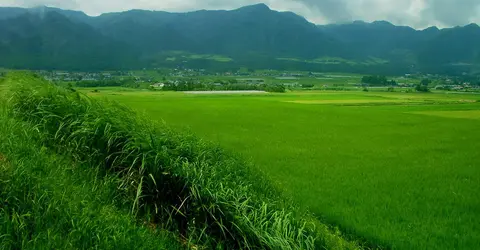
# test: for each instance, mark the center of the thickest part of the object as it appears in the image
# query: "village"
(159, 78)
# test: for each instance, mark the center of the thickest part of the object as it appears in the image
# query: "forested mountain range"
(253, 37)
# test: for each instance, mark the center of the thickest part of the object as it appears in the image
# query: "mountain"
(455, 45)
(431, 48)
(377, 39)
(249, 30)
(51, 40)
(11, 12)
(253, 36)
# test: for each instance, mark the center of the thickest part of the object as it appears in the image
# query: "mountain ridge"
(259, 5)
(252, 36)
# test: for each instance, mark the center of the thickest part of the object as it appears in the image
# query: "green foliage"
(210, 197)
(222, 85)
(392, 83)
(375, 80)
(49, 202)
(378, 81)
(128, 83)
(276, 88)
(308, 85)
(422, 88)
(444, 87)
(425, 82)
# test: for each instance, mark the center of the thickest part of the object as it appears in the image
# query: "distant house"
(89, 79)
(158, 85)
(291, 85)
(251, 80)
(287, 78)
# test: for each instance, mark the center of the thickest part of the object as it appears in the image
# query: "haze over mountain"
(415, 13)
(252, 36)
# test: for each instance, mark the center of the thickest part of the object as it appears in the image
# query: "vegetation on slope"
(49, 202)
(208, 197)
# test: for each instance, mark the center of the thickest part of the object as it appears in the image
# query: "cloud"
(67, 4)
(453, 12)
(416, 13)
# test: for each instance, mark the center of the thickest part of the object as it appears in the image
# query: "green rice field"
(397, 170)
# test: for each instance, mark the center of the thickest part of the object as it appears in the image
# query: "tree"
(278, 88)
(422, 88)
(375, 80)
(425, 82)
(307, 85)
(392, 83)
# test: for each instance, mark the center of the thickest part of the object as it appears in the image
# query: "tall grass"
(209, 197)
(48, 202)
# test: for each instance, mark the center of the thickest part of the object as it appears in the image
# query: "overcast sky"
(416, 13)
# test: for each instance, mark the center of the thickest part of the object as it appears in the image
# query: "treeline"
(128, 83)
(378, 80)
(228, 85)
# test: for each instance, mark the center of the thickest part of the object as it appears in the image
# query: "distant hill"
(379, 39)
(430, 49)
(52, 41)
(249, 30)
(253, 36)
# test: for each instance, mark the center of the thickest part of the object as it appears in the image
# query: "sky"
(416, 13)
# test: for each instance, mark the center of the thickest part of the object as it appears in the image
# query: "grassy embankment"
(81, 173)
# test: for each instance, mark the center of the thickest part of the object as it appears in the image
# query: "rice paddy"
(466, 114)
(88, 174)
(300, 170)
(394, 169)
